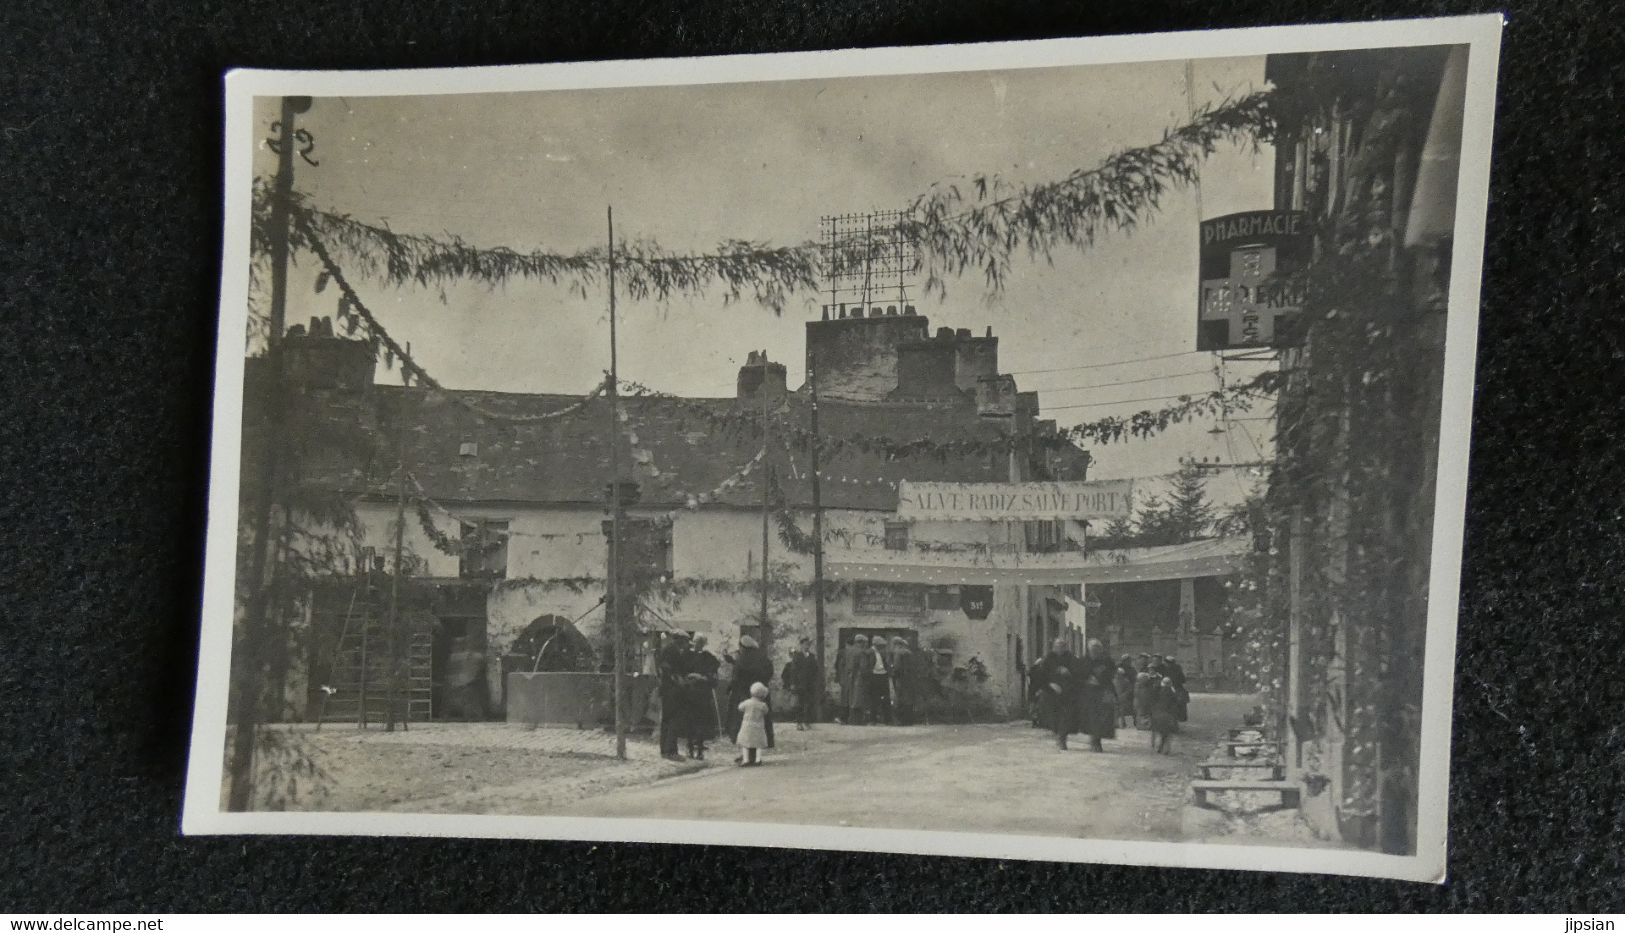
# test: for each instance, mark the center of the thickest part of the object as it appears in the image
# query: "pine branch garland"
(1141, 424)
(959, 231)
(644, 270)
(955, 230)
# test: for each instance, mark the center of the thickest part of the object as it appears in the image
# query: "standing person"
(672, 670)
(1182, 697)
(804, 681)
(1098, 701)
(1123, 683)
(849, 670)
(1144, 695)
(1055, 689)
(1036, 704)
(905, 682)
(702, 697)
(1164, 716)
(876, 680)
(754, 719)
(750, 667)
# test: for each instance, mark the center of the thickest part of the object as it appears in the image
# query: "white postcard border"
(202, 814)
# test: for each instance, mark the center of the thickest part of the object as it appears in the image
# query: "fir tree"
(1183, 515)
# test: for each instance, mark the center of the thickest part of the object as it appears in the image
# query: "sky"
(1101, 332)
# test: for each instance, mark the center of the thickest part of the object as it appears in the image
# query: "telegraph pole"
(616, 603)
(767, 483)
(818, 539)
(390, 686)
(255, 620)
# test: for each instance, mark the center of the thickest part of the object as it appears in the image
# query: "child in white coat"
(753, 726)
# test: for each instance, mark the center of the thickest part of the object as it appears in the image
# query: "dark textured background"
(110, 135)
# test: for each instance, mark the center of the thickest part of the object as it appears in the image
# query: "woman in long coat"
(702, 697)
(1098, 698)
(847, 669)
(1182, 697)
(907, 682)
(751, 667)
(674, 698)
(1055, 689)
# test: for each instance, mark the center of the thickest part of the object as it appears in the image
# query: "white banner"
(1013, 502)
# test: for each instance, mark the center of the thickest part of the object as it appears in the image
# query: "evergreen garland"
(955, 231)
(1141, 424)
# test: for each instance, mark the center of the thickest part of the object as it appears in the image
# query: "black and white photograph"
(1038, 450)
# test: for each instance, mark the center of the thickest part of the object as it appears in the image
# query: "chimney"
(996, 396)
(316, 359)
(855, 356)
(925, 368)
(1026, 411)
(976, 359)
(756, 372)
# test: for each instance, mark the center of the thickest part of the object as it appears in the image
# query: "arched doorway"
(553, 643)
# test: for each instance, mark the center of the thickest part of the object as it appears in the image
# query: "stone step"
(1276, 769)
(1291, 792)
(1232, 747)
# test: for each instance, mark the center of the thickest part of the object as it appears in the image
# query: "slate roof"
(675, 453)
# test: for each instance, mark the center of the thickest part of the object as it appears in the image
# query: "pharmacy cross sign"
(1245, 299)
(1235, 299)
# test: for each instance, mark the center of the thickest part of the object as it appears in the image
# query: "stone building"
(505, 519)
(1367, 146)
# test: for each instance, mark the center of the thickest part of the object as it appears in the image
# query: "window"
(485, 550)
(1045, 537)
(896, 536)
(664, 543)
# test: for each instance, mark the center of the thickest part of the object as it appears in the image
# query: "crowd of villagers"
(692, 714)
(880, 682)
(1096, 696)
(885, 681)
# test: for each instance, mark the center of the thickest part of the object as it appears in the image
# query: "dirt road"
(978, 778)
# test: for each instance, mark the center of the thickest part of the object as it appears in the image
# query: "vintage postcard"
(1047, 450)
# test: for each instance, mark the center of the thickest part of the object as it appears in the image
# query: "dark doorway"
(457, 669)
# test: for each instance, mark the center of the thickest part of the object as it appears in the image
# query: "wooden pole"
(255, 621)
(818, 542)
(393, 643)
(617, 606)
(1294, 659)
(767, 482)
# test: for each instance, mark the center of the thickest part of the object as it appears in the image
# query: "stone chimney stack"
(975, 359)
(316, 359)
(1026, 412)
(926, 368)
(758, 372)
(853, 349)
(996, 396)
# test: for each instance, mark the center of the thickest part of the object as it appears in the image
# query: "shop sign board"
(1246, 297)
(1014, 502)
(875, 598)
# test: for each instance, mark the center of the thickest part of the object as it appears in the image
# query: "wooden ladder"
(360, 671)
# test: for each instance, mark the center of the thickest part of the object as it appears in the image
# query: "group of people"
(689, 712)
(688, 695)
(1095, 696)
(881, 681)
